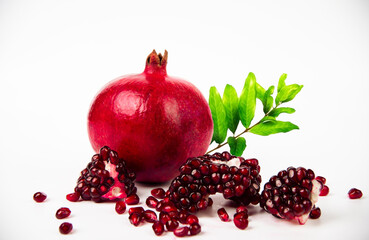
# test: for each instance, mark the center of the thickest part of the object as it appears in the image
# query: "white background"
(56, 55)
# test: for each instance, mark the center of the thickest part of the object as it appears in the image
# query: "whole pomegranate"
(155, 122)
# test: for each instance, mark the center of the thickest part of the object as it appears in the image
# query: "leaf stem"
(245, 131)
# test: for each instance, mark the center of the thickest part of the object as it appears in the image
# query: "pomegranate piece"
(240, 220)
(65, 228)
(223, 215)
(315, 213)
(120, 207)
(152, 202)
(236, 178)
(132, 199)
(355, 193)
(181, 232)
(173, 111)
(158, 228)
(324, 191)
(291, 194)
(39, 197)
(62, 213)
(195, 229)
(158, 193)
(135, 218)
(105, 178)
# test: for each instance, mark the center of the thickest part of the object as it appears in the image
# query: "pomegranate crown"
(156, 63)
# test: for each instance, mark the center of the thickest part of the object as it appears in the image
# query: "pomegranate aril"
(241, 209)
(65, 228)
(62, 213)
(139, 210)
(73, 197)
(120, 207)
(158, 228)
(171, 225)
(135, 218)
(195, 229)
(39, 196)
(152, 202)
(321, 179)
(315, 213)
(158, 193)
(223, 215)
(150, 216)
(192, 219)
(324, 191)
(164, 217)
(240, 220)
(355, 193)
(132, 199)
(181, 232)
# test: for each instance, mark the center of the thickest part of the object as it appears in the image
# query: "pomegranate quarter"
(154, 121)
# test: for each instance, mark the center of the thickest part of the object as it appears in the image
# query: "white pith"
(314, 195)
(234, 162)
(117, 191)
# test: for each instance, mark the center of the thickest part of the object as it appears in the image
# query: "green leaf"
(275, 112)
(219, 116)
(272, 126)
(237, 145)
(281, 82)
(268, 99)
(230, 101)
(287, 93)
(247, 103)
(260, 91)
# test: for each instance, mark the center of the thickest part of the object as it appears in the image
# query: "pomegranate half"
(154, 121)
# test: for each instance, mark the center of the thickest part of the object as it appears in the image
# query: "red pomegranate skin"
(154, 121)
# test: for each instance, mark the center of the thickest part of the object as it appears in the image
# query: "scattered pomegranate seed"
(181, 232)
(182, 216)
(240, 220)
(120, 207)
(355, 193)
(39, 197)
(135, 218)
(171, 225)
(132, 199)
(73, 197)
(241, 209)
(315, 213)
(321, 179)
(152, 202)
(223, 215)
(164, 217)
(150, 216)
(192, 219)
(158, 228)
(139, 210)
(195, 229)
(158, 193)
(65, 228)
(324, 191)
(62, 213)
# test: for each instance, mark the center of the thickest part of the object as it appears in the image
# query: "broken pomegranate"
(65, 228)
(105, 178)
(154, 121)
(236, 178)
(291, 194)
(355, 193)
(39, 197)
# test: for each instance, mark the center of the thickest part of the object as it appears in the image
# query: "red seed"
(192, 219)
(240, 220)
(139, 210)
(158, 228)
(195, 229)
(164, 217)
(242, 209)
(120, 207)
(324, 191)
(355, 193)
(315, 213)
(73, 197)
(135, 219)
(223, 215)
(158, 193)
(171, 225)
(321, 179)
(39, 197)
(150, 216)
(132, 199)
(181, 232)
(152, 202)
(65, 228)
(62, 213)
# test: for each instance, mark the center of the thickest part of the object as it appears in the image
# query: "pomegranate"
(154, 121)
(291, 194)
